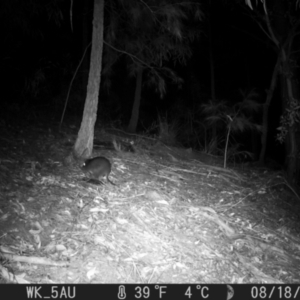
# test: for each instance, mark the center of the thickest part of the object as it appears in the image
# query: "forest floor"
(174, 216)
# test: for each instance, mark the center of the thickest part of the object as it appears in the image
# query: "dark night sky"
(44, 56)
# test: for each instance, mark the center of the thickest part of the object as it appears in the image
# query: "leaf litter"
(175, 216)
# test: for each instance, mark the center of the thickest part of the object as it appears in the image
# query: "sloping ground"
(172, 217)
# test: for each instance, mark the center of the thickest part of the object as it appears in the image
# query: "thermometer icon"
(121, 294)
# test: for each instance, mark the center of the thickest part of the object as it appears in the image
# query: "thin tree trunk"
(265, 126)
(279, 30)
(212, 77)
(137, 101)
(291, 161)
(292, 89)
(281, 9)
(211, 56)
(85, 139)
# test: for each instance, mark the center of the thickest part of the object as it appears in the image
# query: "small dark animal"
(97, 168)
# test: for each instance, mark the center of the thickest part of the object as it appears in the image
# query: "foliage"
(22, 24)
(235, 155)
(151, 34)
(288, 119)
(167, 130)
(238, 118)
(284, 42)
(19, 17)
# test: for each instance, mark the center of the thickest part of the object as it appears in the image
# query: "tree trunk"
(86, 6)
(85, 138)
(211, 56)
(292, 161)
(270, 93)
(279, 30)
(137, 101)
(213, 144)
